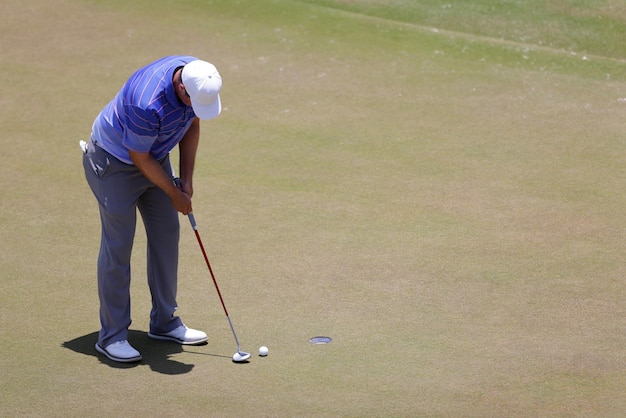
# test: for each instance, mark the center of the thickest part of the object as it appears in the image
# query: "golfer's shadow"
(156, 354)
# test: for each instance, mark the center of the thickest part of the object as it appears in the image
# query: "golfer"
(127, 167)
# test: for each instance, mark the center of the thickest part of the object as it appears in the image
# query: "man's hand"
(181, 201)
(186, 186)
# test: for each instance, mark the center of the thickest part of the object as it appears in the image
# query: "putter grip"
(192, 221)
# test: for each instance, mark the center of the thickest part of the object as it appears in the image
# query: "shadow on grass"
(156, 354)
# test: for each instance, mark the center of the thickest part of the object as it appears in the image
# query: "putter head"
(241, 356)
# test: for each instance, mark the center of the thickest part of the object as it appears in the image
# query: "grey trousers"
(120, 190)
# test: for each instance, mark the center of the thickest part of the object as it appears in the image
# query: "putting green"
(438, 187)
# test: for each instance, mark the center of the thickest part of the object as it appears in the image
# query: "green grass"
(578, 26)
(445, 204)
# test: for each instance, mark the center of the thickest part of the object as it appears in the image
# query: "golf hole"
(320, 340)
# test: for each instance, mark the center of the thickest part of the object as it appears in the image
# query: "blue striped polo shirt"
(145, 115)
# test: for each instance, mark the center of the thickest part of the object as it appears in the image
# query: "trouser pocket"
(97, 160)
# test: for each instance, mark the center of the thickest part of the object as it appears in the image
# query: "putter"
(239, 356)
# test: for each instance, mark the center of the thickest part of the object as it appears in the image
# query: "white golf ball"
(263, 351)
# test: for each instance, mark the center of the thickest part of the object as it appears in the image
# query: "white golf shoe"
(182, 335)
(120, 351)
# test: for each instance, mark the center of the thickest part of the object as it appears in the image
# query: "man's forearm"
(188, 147)
(150, 168)
(153, 171)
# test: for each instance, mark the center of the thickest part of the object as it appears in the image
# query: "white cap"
(203, 84)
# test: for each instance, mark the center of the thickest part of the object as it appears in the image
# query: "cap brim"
(207, 111)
